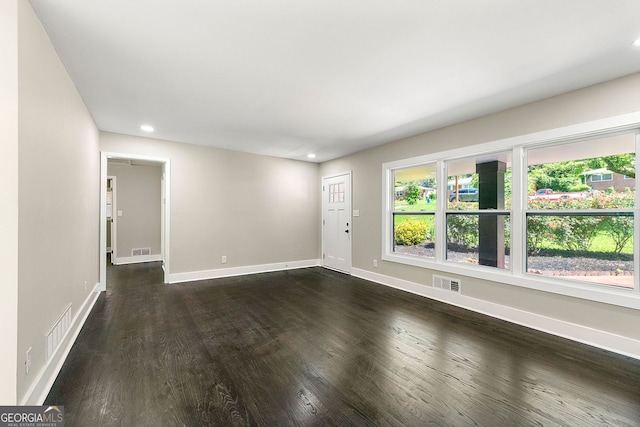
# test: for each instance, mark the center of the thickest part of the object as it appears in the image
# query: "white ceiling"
(289, 77)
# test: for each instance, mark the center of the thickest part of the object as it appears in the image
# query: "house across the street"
(602, 179)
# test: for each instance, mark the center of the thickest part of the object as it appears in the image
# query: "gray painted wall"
(138, 195)
(610, 99)
(59, 171)
(253, 209)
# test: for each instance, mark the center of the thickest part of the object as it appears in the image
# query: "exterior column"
(491, 227)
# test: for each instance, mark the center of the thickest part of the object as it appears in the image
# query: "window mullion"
(636, 225)
(441, 222)
(518, 205)
(387, 212)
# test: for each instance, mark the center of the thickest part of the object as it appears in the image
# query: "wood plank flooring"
(315, 347)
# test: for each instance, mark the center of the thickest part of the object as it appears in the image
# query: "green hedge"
(577, 232)
(572, 232)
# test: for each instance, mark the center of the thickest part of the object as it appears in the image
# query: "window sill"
(627, 298)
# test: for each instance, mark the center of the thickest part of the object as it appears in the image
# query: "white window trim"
(517, 276)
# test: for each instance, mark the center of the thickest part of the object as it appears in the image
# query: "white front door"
(336, 222)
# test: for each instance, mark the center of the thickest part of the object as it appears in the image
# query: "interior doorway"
(109, 223)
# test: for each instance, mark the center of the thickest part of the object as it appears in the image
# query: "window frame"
(601, 179)
(392, 211)
(516, 275)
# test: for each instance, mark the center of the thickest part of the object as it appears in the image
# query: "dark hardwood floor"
(315, 347)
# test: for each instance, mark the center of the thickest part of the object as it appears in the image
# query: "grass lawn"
(601, 243)
(421, 205)
(429, 219)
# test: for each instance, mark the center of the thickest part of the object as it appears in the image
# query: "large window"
(523, 211)
(414, 208)
(573, 231)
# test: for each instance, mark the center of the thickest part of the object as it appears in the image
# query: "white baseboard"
(38, 392)
(137, 259)
(583, 334)
(191, 276)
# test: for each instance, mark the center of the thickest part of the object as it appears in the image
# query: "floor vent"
(56, 334)
(140, 251)
(446, 283)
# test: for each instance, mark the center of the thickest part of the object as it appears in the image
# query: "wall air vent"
(56, 334)
(446, 283)
(140, 251)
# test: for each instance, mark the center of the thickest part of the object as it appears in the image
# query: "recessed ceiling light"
(146, 128)
(311, 156)
(636, 42)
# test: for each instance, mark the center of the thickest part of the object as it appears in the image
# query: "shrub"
(580, 187)
(578, 232)
(538, 232)
(507, 233)
(411, 232)
(620, 229)
(574, 232)
(412, 193)
(462, 229)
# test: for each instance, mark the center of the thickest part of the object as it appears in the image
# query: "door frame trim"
(350, 207)
(165, 234)
(114, 212)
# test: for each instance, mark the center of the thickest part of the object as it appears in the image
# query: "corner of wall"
(9, 200)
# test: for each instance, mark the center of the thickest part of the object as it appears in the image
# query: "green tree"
(559, 176)
(624, 164)
(412, 193)
(619, 229)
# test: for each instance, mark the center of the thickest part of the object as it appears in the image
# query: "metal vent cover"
(446, 283)
(140, 251)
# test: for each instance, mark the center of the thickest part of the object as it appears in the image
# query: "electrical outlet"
(375, 263)
(27, 361)
(224, 259)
